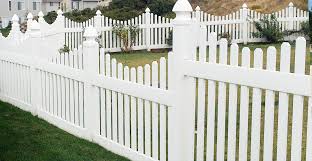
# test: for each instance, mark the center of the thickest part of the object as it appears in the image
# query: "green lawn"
(140, 58)
(24, 137)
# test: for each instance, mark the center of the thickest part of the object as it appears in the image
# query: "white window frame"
(21, 5)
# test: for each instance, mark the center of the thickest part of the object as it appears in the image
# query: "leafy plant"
(170, 37)
(50, 17)
(127, 34)
(64, 49)
(268, 28)
(225, 35)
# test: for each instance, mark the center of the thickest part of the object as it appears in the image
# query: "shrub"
(127, 34)
(268, 28)
(170, 37)
(50, 17)
(161, 7)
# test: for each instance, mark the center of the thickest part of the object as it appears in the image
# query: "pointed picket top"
(59, 12)
(147, 10)
(40, 14)
(197, 8)
(291, 4)
(98, 13)
(30, 16)
(15, 18)
(182, 6)
(244, 5)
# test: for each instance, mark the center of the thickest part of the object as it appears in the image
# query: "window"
(20, 5)
(75, 5)
(10, 5)
(34, 5)
(51, 3)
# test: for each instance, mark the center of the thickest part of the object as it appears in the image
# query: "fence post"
(182, 114)
(147, 29)
(35, 38)
(197, 14)
(291, 16)
(97, 20)
(29, 21)
(91, 68)
(244, 17)
(15, 31)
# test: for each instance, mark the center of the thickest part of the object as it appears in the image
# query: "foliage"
(80, 15)
(127, 34)
(170, 38)
(225, 35)
(6, 31)
(64, 49)
(161, 7)
(268, 28)
(50, 17)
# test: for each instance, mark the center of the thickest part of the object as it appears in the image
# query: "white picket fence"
(195, 105)
(154, 30)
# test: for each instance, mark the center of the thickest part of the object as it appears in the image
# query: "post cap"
(30, 16)
(291, 4)
(244, 5)
(90, 32)
(15, 18)
(147, 10)
(197, 8)
(59, 12)
(182, 6)
(40, 14)
(98, 13)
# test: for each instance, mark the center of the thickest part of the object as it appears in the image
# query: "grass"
(140, 58)
(24, 137)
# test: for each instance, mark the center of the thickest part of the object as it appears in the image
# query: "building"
(22, 7)
(50, 5)
(68, 5)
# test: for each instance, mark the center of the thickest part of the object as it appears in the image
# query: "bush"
(123, 32)
(268, 28)
(161, 7)
(50, 17)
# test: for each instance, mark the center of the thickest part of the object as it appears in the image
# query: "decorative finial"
(15, 18)
(59, 12)
(291, 4)
(244, 5)
(147, 10)
(40, 14)
(98, 13)
(197, 8)
(30, 16)
(182, 6)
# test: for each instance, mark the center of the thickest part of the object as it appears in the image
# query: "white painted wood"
(127, 110)
(309, 128)
(147, 107)
(108, 99)
(201, 98)
(269, 109)
(256, 111)
(221, 104)
(120, 107)
(155, 114)
(211, 101)
(231, 151)
(162, 111)
(140, 114)
(133, 110)
(244, 110)
(298, 101)
(114, 103)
